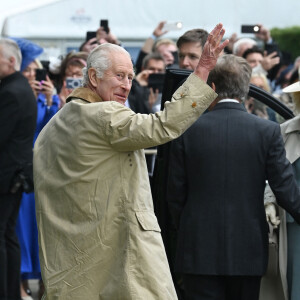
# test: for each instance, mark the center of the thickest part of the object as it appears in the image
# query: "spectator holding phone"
(47, 106)
(71, 67)
(44, 91)
(142, 97)
(101, 36)
(166, 47)
(271, 63)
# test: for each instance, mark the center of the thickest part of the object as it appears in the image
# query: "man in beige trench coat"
(98, 235)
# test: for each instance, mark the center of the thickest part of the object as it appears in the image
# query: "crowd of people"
(77, 212)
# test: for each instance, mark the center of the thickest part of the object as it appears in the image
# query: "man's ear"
(12, 62)
(92, 77)
(213, 86)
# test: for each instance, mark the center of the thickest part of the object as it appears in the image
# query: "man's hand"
(271, 214)
(158, 31)
(232, 40)
(269, 61)
(152, 97)
(90, 45)
(47, 88)
(142, 77)
(211, 52)
(263, 34)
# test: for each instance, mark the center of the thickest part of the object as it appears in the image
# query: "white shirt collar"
(228, 100)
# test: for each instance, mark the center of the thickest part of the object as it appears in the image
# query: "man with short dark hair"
(216, 192)
(17, 124)
(190, 46)
(254, 56)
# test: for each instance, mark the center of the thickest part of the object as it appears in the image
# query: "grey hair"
(100, 60)
(238, 43)
(11, 49)
(231, 77)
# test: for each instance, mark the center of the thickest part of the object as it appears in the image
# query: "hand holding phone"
(172, 26)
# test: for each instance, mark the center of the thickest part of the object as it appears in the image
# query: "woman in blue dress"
(47, 106)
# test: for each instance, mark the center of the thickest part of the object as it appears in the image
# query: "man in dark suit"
(17, 124)
(218, 170)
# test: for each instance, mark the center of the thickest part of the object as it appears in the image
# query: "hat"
(30, 51)
(295, 87)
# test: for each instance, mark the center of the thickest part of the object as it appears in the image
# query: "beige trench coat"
(276, 288)
(98, 235)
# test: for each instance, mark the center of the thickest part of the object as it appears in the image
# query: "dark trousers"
(206, 287)
(9, 247)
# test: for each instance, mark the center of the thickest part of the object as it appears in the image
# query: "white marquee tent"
(131, 19)
(134, 20)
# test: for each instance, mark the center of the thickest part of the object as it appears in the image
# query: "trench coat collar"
(84, 94)
(290, 131)
(291, 125)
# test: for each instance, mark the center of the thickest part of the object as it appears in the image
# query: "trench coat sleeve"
(281, 177)
(127, 131)
(176, 185)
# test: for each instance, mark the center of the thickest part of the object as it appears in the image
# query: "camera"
(250, 29)
(73, 83)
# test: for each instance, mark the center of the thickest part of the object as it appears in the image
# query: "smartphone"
(172, 26)
(156, 81)
(250, 28)
(73, 83)
(40, 74)
(90, 35)
(104, 24)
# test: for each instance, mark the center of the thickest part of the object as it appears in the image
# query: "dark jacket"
(218, 170)
(17, 124)
(138, 98)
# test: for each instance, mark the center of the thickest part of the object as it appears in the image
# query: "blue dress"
(26, 224)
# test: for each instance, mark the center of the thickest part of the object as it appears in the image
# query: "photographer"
(71, 67)
(142, 98)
